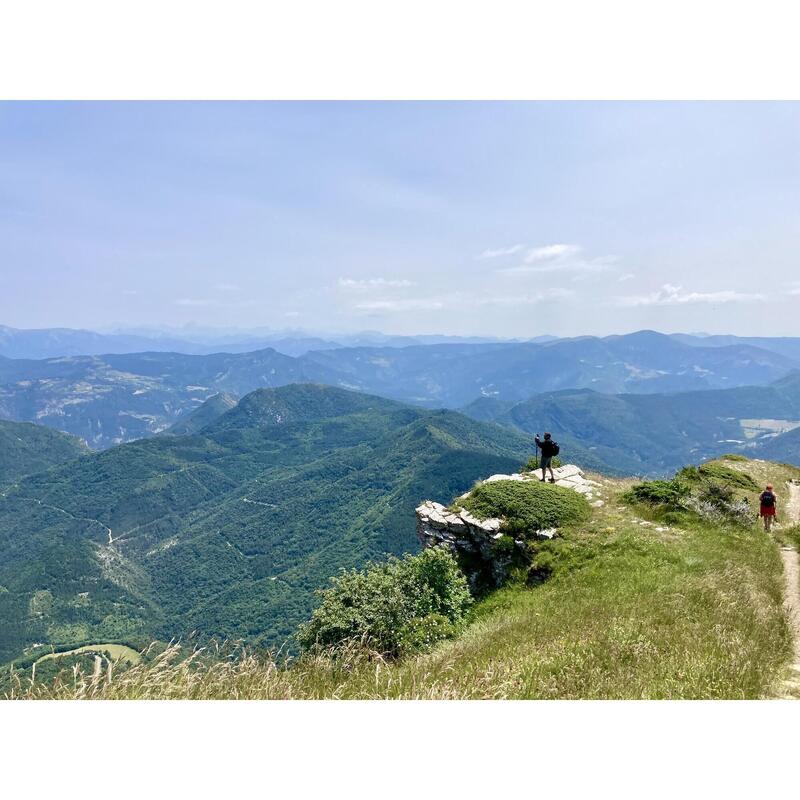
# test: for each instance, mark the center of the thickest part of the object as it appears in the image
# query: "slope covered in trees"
(229, 531)
(27, 448)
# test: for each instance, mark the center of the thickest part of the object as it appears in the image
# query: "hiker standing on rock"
(549, 448)
(769, 506)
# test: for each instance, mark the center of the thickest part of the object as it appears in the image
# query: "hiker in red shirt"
(769, 504)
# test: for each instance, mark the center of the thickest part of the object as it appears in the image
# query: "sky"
(494, 219)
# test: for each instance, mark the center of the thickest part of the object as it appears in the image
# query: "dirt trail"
(791, 596)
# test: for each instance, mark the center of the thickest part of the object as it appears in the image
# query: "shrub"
(719, 473)
(719, 496)
(733, 457)
(737, 512)
(671, 494)
(527, 506)
(689, 474)
(396, 607)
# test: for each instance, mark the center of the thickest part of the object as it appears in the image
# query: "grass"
(634, 609)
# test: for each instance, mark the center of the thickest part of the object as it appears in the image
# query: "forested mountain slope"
(229, 531)
(203, 415)
(26, 448)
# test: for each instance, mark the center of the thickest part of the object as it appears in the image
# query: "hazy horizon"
(200, 332)
(505, 219)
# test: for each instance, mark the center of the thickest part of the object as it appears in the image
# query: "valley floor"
(636, 608)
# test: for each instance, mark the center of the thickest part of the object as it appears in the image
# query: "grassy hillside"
(228, 532)
(642, 602)
(27, 448)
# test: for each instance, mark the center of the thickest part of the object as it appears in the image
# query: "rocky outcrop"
(484, 551)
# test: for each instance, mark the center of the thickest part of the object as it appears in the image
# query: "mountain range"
(655, 434)
(110, 399)
(58, 342)
(227, 531)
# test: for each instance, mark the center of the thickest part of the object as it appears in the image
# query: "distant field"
(762, 427)
(116, 652)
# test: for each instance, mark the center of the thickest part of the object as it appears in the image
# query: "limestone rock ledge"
(477, 542)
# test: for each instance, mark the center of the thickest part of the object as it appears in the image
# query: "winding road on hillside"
(791, 595)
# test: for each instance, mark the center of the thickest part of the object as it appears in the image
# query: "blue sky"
(508, 219)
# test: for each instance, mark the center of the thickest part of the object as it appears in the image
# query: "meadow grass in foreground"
(689, 611)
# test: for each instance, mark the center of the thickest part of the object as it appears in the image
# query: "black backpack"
(555, 449)
(767, 499)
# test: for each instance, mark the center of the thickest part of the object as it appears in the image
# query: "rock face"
(485, 553)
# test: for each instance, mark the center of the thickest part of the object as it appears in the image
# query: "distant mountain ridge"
(59, 342)
(655, 434)
(109, 399)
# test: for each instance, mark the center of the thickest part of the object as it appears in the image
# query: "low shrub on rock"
(526, 506)
(396, 607)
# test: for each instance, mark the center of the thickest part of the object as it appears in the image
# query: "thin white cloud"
(364, 284)
(292, 314)
(670, 295)
(626, 277)
(502, 251)
(551, 251)
(559, 258)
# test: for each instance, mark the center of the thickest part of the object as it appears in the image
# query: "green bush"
(733, 457)
(671, 494)
(396, 607)
(719, 496)
(526, 506)
(719, 473)
(689, 474)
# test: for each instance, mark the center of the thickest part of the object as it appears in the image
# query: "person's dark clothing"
(767, 501)
(547, 446)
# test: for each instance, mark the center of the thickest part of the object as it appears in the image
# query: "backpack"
(555, 449)
(767, 499)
